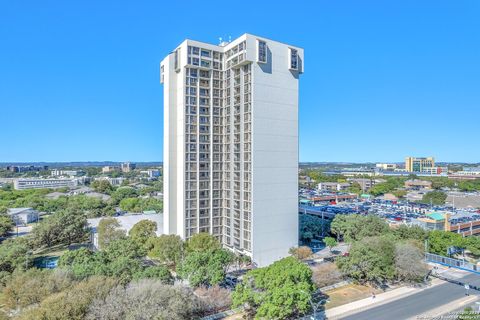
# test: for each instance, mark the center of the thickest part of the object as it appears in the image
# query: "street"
(421, 303)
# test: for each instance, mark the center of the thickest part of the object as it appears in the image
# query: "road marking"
(381, 299)
(446, 308)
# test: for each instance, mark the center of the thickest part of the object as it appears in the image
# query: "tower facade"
(231, 144)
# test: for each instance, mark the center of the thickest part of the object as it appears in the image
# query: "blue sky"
(383, 79)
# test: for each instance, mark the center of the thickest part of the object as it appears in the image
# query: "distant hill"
(79, 164)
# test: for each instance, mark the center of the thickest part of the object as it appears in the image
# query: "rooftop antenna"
(229, 39)
(220, 40)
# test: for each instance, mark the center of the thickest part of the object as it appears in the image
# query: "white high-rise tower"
(231, 144)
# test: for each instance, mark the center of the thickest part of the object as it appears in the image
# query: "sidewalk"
(380, 299)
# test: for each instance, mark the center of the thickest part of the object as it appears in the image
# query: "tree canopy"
(434, 197)
(354, 227)
(279, 291)
(205, 267)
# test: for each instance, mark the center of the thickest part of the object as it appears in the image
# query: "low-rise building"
(151, 173)
(113, 181)
(108, 169)
(37, 183)
(386, 166)
(365, 183)
(23, 216)
(464, 223)
(418, 184)
(70, 173)
(468, 173)
(333, 186)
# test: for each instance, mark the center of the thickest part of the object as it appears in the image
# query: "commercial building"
(231, 144)
(386, 166)
(113, 181)
(332, 186)
(128, 167)
(464, 223)
(36, 183)
(468, 173)
(365, 184)
(70, 173)
(413, 164)
(418, 184)
(108, 169)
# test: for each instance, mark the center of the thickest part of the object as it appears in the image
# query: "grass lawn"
(349, 293)
(54, 251)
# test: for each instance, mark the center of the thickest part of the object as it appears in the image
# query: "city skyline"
(384, 80)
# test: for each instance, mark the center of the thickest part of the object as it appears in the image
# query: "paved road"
(418, 303)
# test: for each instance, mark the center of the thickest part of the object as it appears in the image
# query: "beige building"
(386, 166)
(413, 164)
(108, 169)
(412, 184)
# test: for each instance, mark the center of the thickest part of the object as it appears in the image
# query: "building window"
(293, 59)
(177, 58)
(162, 74)
(262, 51)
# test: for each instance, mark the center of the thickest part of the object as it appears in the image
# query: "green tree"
(142, 231)
(168, 249)
(108, 231)
(330, 242)
(404, 232)
(434, 197)
(205, 267)
(15, 254)
(312, 227)
(156, 272)
(102, 186)
(473, 245)
(354, 227)
(282, 290)
(388, 186)
(370, 260)
(130, 204)
(6, 225)
(355, 187)
(121, 259)
(123, 193)
(202, 242)
(63, 227)
(440, 241)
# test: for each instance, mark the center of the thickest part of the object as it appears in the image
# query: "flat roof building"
(36, 183)
(413, 164)
(231, 144)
